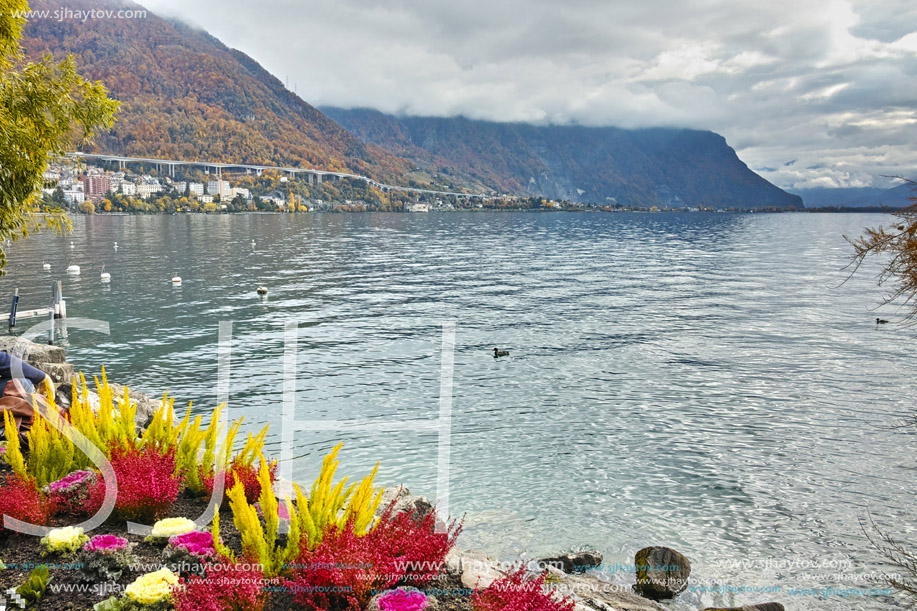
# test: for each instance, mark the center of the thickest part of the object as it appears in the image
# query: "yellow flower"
(152, 587)
(69, 538)
(171, 527)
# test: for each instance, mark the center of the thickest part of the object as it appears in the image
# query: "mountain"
(660, 166)
(895, 197)
(185, 95)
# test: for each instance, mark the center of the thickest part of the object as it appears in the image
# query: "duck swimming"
(881, 321)
(499, 353)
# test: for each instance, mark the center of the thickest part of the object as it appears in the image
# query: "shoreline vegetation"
(333, 547)
(96, 189)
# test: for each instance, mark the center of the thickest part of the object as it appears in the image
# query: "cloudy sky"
(809, 93)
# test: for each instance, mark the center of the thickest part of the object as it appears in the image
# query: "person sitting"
(18, 384)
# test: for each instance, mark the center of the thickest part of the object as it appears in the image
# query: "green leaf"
(109, 604)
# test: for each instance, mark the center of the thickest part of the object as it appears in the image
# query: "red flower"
(227, 587)
(22, 500)
(246, 474)
(345, 570)
(147, 485)
(516, 593)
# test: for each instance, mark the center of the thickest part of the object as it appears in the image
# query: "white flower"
(171, 527)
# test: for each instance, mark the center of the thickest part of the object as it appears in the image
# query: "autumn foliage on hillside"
(185, 95)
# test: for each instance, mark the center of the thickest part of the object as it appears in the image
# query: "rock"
(592, 594)
(60, 373)
(758, 607)
(432, 603)
(146, 407)
(575, 562)
(661, 572)
(418, 506)
(477, 569)
(30, 352)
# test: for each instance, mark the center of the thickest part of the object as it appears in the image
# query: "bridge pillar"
(318, 177)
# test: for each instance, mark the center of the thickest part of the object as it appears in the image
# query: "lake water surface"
(702, 381)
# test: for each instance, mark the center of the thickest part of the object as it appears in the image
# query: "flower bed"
(339, 548)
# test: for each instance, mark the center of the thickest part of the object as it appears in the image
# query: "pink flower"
(402, 600)
(70, 481)
(105, 544)
(282, 512)
(194, 542)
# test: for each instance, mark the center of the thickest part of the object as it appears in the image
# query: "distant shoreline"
(586, 208)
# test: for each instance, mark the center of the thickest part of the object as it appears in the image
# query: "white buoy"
(116, 246)
(105, 277)
(253, 243)
(261, 290)
(46, 266)
(71, 245)
(176, 280)
(73, 270)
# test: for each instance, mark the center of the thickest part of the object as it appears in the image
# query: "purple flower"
(106, 544)
(195, 543)
(68, 482)
(402, 600)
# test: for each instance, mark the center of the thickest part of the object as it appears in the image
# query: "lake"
(707, 382)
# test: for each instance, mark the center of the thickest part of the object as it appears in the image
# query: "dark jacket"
(9, 369)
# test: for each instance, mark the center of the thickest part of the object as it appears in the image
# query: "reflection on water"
(699, 381)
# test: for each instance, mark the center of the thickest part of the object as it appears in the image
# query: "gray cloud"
(830, 84)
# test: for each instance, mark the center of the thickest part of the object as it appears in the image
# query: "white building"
(205, 199)
(218, 187)
(195, 188)
(148, 189)
(241, 191)
(128, 188)
(114, 181)
(75, 196)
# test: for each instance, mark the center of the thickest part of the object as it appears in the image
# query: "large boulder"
(758, 607)
(574, 562)
(661, 572)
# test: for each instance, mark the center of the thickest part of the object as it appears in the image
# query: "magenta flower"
(71, 481)
(195, 543)
(105, 544)
(282, 512)
(402, 600)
